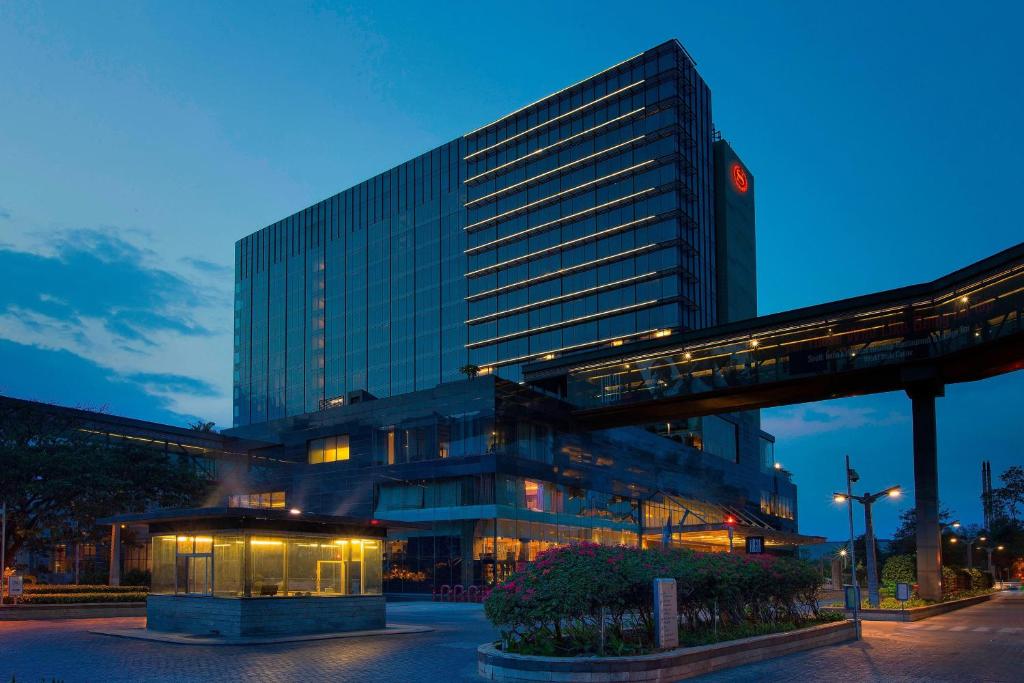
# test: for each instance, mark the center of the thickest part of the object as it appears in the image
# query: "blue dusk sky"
(139, 140)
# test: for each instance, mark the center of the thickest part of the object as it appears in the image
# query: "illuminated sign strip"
(552, 120)
(550, 197)
(554, 94)
(562, 323)
(573, 347)
(553, 145)
(560, 246)
(553, 171)
(563, 219)
(562, 297)
(563, 271)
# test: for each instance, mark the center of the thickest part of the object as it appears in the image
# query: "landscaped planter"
(918, 613)
(670, 665)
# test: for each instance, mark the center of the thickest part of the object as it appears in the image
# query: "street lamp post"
(867, 500)
(970, 541)
(990, 550)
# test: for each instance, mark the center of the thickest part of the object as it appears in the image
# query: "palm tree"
(470, 370)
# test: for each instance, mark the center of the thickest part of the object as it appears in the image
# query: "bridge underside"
(999, 358)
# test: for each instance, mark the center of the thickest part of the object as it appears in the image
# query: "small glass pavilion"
(238, 571)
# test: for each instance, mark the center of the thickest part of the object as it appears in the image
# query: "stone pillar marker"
(666, 614)
(114, 578)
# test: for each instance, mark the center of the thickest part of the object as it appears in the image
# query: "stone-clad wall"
(233, 617)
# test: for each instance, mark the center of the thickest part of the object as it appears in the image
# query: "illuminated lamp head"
(740, 180)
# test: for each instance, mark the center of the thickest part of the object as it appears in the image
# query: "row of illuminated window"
(329, 449)
(659, 289)
(517, 492)
(777, 505)
(579, 335)
(272, 500)
(602, 170)
(574, 252)
(577, 146)
(635, 189)
(647, 257)
(437, 438)
(584, 98)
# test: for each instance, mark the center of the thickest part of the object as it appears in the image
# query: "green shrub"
(73, 598)
(950, 584)
(137, 577)
(900, 569)
(556, 605)
(78, 588)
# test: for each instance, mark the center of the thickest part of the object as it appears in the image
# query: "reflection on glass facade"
(364, 291)
(584, 218)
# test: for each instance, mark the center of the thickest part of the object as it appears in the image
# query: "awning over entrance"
(704, 525)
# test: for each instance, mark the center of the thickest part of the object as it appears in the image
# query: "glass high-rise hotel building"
(605, 212)
(584, 218)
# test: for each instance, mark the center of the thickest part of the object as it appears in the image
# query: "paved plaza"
(980, 643)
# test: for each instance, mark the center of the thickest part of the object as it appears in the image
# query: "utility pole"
(851, 477)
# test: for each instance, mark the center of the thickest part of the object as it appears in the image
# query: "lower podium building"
(490, 472)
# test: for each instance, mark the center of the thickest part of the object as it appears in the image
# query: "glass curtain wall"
(223, 564)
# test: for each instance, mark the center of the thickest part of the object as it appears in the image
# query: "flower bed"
(587, 599)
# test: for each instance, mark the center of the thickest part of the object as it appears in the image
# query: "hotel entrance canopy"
(706, 526)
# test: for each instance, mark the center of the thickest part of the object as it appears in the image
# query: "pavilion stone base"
(240, 617)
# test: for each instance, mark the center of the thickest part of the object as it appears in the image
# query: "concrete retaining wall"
(671, 665)
(918, 613)
(82, 610)
(237, 617)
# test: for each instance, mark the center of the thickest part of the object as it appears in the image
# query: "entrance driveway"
(65, 650)
(980, 643)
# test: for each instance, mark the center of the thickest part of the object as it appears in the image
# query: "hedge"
(72, 598)
(557, 605)
(79, 588)
(900, 569)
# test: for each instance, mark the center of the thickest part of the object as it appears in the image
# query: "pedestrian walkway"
(982, 644)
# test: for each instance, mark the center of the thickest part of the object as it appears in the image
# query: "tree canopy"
(57, 478)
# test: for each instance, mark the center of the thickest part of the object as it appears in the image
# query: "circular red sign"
(739, 178)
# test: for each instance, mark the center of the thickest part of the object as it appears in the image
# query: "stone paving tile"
(983, 643)
(951, 649)
(66, 650)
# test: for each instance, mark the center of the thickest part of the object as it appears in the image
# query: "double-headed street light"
(970, 540)
(867, 500)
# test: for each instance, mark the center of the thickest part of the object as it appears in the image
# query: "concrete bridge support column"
(926, 490)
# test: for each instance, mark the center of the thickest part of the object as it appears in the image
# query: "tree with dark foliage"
(57, 477)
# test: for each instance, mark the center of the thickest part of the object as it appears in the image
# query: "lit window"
(330, 449)
(272, 500)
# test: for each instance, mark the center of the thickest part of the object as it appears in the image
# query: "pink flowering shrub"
(557, 604)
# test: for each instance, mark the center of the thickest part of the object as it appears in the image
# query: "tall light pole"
(852, 476)
(867, 500)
